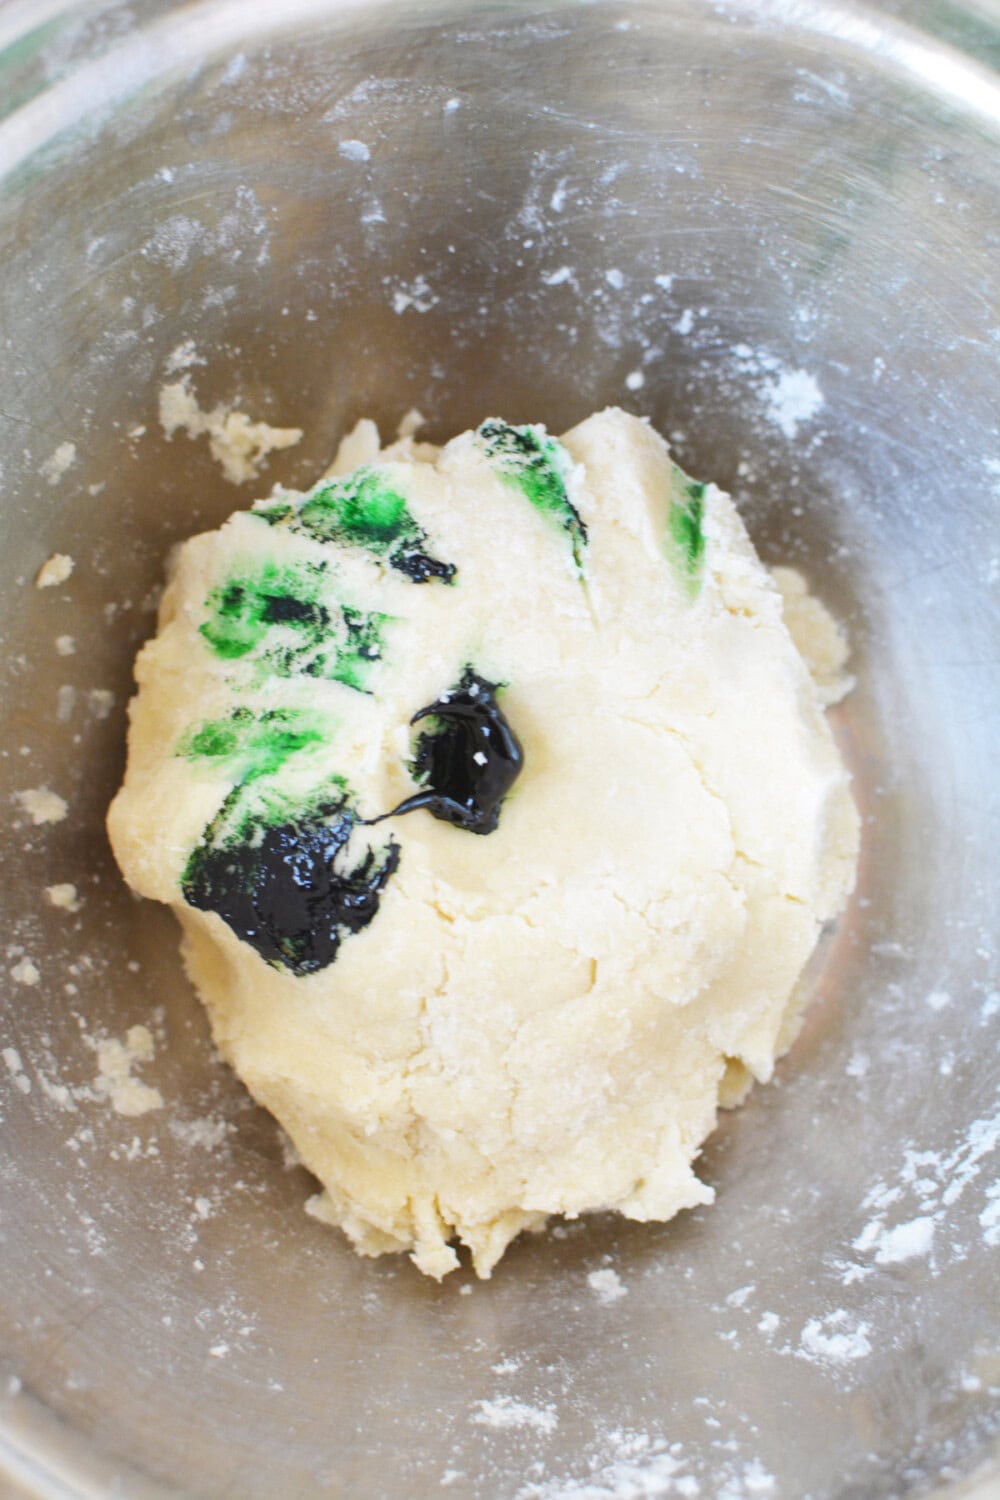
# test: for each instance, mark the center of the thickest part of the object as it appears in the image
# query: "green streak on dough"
(279, 613)
(360, 509)
(242, 611)
(253, 745)
(685, 525)
(536, 464)
(363, 509)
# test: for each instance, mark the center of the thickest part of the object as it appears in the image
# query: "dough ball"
(500, 815)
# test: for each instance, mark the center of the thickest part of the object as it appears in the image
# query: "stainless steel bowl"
(781, 221)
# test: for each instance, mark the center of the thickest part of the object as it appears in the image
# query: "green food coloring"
(537, 465)
(685, 525)
(363, 509)
(279, 614)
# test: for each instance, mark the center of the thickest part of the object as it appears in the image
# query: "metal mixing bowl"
(772, 227)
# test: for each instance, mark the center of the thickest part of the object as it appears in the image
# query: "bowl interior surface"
(772, 230)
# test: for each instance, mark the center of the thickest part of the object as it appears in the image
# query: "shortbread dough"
(523, 996)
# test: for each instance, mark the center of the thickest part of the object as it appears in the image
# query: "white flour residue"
(559, 277)
(789, 397)
(126, 1094)
(628, 1465)
(836, 1339)
(15, 1067)
(55, 570)
(206, 1133)
(26, 973)
(65, 645)
(608, 1285)
(506, 1412)
(43, 806)
(354, 150)
(239, 445)
(904, 1242)
(416, 294)
(240, 233)
(61, 459)
(907, 1212)
(989, 1219)
(182, 357)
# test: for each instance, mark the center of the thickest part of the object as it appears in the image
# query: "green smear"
(537, 465)
(278, 613)
(254, 745)
(685, 527)
(363, 510)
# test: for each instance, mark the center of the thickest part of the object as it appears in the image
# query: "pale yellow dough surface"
(544, 1020)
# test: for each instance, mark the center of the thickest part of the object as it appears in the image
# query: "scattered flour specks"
(354, 150)
(417, 294)
(58, 462)
(789, 397)
(989, 1219)
(205, 1132)
(926, 1186)
(55, 570)
(903, 1242)
(635, 380)
(15, 1067)
(607, 1284)
(65, 645)
(835, 1339)
(43, 806)
(506, 1412)
(182, 357)
(558, 277)
(24, 972)
(792, 397)
(938, 999)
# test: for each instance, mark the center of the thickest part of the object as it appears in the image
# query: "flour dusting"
(505, 1411)
(836, 1339)
(607, 1284)
(58, 462)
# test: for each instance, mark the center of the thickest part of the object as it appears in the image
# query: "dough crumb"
(411, 423)
(43, 806)
(819, 639)
(54, 570)
(63, 896)
(58, 462)
(65, 645)
(25, 972)
(114, 1081)
(100, 701)
(240, 446)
